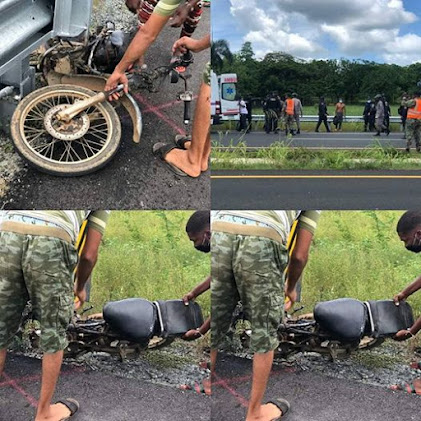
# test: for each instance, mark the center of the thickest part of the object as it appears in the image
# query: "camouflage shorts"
(39, 269)
(249, 269)
(206, 74)
(413, 131)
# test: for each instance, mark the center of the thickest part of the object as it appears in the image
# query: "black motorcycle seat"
(178, 318)
(133, 318)
(386, 318)
(345, 318)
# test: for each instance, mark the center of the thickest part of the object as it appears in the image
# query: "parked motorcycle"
(336, 328)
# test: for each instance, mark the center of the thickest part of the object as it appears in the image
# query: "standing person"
(387, 113)
(243, 114)
(289, 111)
(413, 121)
(273, 109)
(380, 115)
(322, 115)
(409, 231)
(249, 106)
(249, 256)
(187, 15)
(37, 260)
(298, 111)
(199, 233)
(190, 156)
(340, 110)
(403, 112)
(366, 114)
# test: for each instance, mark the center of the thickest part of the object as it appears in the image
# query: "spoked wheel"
(80, 146)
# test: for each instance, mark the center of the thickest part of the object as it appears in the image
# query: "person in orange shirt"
(288, 111)
(413, 121)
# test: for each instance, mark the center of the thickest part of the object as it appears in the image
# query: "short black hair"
(199, 221)
(408, 221)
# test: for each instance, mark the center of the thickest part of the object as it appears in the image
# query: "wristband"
(409, 331)
(201, 334)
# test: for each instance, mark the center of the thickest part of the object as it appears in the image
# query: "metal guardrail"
(311, 118)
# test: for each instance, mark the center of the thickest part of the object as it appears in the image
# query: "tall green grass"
(359, 255)
(148, 254)
(280, 156)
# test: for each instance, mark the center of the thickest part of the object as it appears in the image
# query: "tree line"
(352, 80)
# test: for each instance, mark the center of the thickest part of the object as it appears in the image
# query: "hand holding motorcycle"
(115, 79)
(399, 297)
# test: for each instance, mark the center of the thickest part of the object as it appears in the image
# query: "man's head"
(294, 95)
(198, 230)
(409, 230)
(340, 101)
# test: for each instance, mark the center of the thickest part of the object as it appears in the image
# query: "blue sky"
(380, 30)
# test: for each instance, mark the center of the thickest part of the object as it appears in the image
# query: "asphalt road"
(322, 140)
(135, 179)
(315, 189)
(312, 396)
(101, 396)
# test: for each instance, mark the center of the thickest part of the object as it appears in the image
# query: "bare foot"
(57, 412)
(268, 412)
(180, 159)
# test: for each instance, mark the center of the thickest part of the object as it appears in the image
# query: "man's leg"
(191, 160)
(51, 364)
(48, 273)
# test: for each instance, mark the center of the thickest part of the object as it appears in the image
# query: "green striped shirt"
(167, 7)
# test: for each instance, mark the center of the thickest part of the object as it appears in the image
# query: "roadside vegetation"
(148, 254)
(280, 156)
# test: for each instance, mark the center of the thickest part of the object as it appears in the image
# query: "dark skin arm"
(193, 334)
(403, 295)
(198, 290)
(296, 265)
(182, 13)
(86, 264)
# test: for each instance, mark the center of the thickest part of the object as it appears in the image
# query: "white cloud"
(355, 27)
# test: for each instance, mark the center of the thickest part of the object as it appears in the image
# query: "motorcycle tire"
(83, 145)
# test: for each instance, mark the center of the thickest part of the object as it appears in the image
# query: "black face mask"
(204, 247)
(415, 247)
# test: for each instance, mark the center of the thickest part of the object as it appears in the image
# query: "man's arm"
(86, 263)
(297, 262)
(409, 290)
(198, 290)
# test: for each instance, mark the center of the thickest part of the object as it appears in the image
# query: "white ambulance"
(224, 102)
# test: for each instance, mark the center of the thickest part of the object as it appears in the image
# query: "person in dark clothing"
(273, 108)
(323, 115)
(387, 113)
(403, 112)
(368, 107)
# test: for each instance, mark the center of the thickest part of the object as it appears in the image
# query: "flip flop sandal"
(181, 140)
(407, 387)
(283, 405)
(161, 150)
(197, 387)
(72, 405)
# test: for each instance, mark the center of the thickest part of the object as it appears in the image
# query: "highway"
(271, 189)
(311, 140)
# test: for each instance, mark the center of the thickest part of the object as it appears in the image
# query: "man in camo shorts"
(37, 262)
(249, 259)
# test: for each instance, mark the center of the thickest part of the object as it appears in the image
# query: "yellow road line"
(225, 177)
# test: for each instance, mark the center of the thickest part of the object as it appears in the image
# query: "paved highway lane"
(315, 189)
(312, 396)
(321, 140)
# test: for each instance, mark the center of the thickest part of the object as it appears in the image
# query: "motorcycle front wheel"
(66, 148)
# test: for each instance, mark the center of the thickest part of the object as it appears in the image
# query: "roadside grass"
(358, 254)
(280, 156)
(148, 254)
